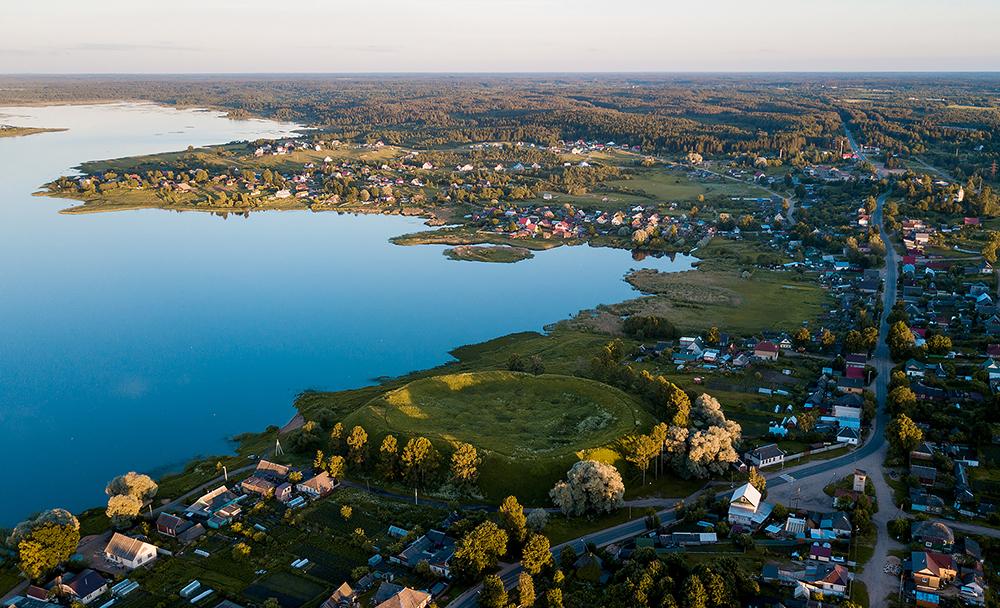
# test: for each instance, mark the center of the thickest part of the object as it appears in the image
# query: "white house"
(746, 507)
(129, 553)
(766, 456)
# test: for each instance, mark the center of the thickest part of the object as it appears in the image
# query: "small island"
(497, 254)
(12, 131)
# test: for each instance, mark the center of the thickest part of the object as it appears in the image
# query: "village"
(803, 393)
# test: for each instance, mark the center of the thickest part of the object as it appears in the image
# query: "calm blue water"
(137, 340)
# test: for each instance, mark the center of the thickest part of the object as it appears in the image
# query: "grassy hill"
(529, 428)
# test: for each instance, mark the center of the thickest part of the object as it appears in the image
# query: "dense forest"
(949, 121)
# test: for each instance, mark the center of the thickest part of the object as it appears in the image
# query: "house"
(923, 502)
(272, 471)
(283, 492)
(257, 485)
(826, 579)
(973, 589)
(171, 525)
(860, 480)
(129, 553)
(933, 535)
(766, 350)
(213, 501)
(820, 552)
(342, 597)
(318, 486)
(746, 507)
(932, 570)
(924, 451)
(851, 385)
(20, 601)
(855, 366)
(390, 595)
(766, 456)
(926, 476)
(86, 586)
(848, 435)
(914, 369)
(436, 548)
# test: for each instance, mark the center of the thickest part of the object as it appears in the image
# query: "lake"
(139, 340)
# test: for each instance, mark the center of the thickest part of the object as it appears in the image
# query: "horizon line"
(522, 72)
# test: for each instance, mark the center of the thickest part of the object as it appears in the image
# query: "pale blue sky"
(497, 35)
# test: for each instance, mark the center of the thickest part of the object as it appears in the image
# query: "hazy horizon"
(501, 36)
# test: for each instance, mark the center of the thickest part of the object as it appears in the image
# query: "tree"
(713, 337)
(419, 459)
(827, 338)
(678, 406)
(554, 598)
(854, 342)
(903, 434)
(590, 487)
(898, 378)
(272, 602)
(494, 593)
(537, 554)
(568, 557)
(336, 467)
(536, 366)
(900, 340)
(132, 484)
(465, 464)
(336, 436)
(744, 541)
(757, 480)
(939, 344)
(712, 450)
(525, 590)
(640, 451)
(122, 508)
(989, 250)
(901, 399)
(512, 519)
(693, 594)
(241, 551)
(45, 542)
(480, 549)
(802, 336)
(537, 520)
(357, 445)
(388, 456)
(346, 512)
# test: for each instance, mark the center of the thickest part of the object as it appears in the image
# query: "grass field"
(698, 300)
(529, 428)
(512, 414)
(498, 254)
(673, 185)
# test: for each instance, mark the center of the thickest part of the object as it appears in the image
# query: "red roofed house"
(766, 350)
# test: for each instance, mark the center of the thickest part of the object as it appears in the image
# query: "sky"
(216, 36)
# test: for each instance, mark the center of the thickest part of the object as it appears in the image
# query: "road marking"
(788, 478)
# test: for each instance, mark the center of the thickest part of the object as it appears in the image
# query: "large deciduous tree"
(45, 542)
(590, 487)
(480, 549)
